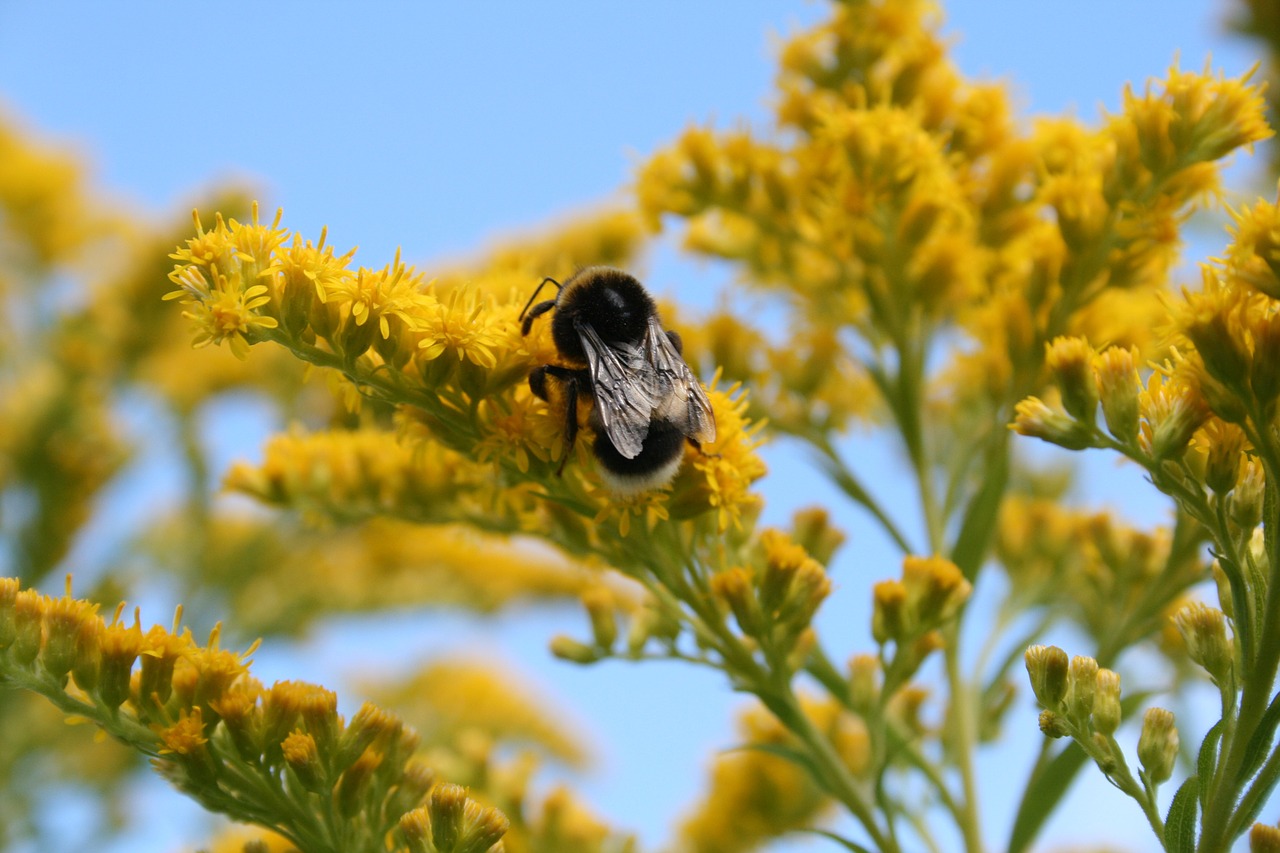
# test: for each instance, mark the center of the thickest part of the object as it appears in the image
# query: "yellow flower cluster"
(216, 733)
(44, 202)
(475, 444)
(901, 199)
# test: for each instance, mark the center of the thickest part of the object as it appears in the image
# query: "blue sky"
(442, 127)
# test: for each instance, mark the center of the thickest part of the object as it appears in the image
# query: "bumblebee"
(647, 402)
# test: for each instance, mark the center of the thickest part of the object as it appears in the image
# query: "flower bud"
(936, 590)
(484, 828)
(1219, 348)
(120, 647)
(1070, 360)
(1047, 666)
(1082, 678)
(415, 829)
(888, 611)
(1226, 448)
(1246, 501)
(446, 806)
(300, 754)
(568, 649)
(62, 620)
(1158, 744)
(1106, 704)
(813, 531)
(604, 624)
(28, 617)
(1035, 419)
(1264, 839)
(734, 588)
(1054, 725)
(1204, 631)
(354, 783)
(1118, 384)
(809, 588)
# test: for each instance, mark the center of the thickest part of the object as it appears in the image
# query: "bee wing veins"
(680, 395)
(623, 385)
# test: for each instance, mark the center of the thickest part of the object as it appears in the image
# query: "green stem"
(833, 774)
(1252, 800)
(964, 732)
(1257, 678)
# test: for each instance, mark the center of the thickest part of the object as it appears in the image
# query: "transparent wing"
(678, 394)
(624, 387)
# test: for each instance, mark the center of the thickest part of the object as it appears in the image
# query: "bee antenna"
(541, 284)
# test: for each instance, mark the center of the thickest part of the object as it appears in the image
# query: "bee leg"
(573, 385)
(676, 341)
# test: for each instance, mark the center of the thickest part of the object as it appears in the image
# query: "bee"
(647, 402)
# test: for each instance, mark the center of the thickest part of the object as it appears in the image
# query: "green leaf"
(1207, 759)
(1042, 794)
(1180, 823)
(980, 518)
(838, 839)
(1259, 746)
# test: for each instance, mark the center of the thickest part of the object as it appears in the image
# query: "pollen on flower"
(727, 468)
(462, 325)
(186, 736)
(519, 428)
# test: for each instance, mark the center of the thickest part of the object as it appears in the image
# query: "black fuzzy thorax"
(611, 301)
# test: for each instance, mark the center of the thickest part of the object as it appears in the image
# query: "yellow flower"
(461, 326)
(651, 506)
(526, 429)
(186, 736)
(720, 477)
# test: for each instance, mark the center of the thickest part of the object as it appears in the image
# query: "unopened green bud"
(1104, 755)
(1054, 725)
(1245, 507)
(1082, 678)
(735, 589)
(1106, 703)
(1158, 744)
(415, 829)
(484, 827)
(567, 648)
(604, 624)
(447, 804)
(1204, 630)
(1047, 666)
(888, 611)
(1035, 419)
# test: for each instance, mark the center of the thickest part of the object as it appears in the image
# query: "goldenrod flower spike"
(217, 734)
